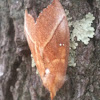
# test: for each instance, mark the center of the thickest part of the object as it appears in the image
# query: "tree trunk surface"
(19, 81)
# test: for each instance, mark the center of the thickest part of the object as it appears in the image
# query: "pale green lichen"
(32, 63)
(68, 18)
(72, 56)
(37, 72)
(82, 31)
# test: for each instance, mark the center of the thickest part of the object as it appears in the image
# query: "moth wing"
(48, 21)
(31, 35)
(29, 27)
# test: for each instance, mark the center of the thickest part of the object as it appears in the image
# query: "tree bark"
(19, 81)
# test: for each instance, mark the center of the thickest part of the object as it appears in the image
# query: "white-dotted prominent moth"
(48, 39)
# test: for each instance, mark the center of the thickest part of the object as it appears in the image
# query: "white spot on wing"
(47, 71)
(60, 44)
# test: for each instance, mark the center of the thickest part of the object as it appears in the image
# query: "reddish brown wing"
(30, 33)
(29, 26)
(48, 40)
(48, 22)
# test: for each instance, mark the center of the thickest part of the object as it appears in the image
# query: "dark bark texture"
(19, 81)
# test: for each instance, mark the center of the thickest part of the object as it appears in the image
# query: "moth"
(48, 39)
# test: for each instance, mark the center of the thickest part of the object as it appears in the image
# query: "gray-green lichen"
(82, 31)
(33, 63)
